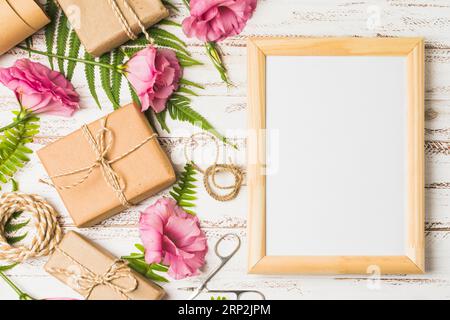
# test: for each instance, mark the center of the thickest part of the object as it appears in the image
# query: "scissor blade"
(196, 293)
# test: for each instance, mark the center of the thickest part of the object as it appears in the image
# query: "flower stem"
(19, 119)
(22, 295)
(119, 68)
(214, 54)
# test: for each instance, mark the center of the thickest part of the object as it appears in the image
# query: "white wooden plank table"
(226, 108)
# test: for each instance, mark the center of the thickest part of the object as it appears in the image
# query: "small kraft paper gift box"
(107, 166)
(103, 25)
(96, 274)
(19, 19)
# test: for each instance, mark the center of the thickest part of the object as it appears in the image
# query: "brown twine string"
(48, 232)
(123, 21)
(209, 175)
(89, 280)
(101, 145)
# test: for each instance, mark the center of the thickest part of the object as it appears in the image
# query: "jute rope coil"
(210, 174)
(48, 232)
(101, 144)
(89, 280)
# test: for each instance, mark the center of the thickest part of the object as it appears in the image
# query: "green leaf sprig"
(14, 153)
(185, 190)
(137, 262)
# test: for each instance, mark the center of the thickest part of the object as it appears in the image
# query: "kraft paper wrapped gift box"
(19, 19)
(143, 172)
(98, 24)
(79, 263)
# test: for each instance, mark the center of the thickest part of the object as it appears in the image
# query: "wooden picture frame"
(413, 261)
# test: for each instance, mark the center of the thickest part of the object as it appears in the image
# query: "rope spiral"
(48, 232)
(209, 175)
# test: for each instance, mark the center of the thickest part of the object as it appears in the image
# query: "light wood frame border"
(413, 262)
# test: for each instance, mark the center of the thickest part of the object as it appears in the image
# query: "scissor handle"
(228, 256)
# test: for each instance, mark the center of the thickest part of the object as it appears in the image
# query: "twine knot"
(90, 280)
(118, 270)
(101, 145)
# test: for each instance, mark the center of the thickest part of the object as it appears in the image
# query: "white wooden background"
(226, 108)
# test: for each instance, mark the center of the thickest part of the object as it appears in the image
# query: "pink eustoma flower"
(174, 238)
(40, 89)
(216, 20)
(155, 75)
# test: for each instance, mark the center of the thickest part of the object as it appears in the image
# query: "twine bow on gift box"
(102, 145)
(89, 280)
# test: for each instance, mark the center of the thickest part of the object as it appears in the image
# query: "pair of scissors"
(224, 260)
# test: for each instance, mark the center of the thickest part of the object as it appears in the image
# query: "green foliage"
(219, 298)
(137, 262)
(179, 108)
(170, 5)
(89, 71)
(184, 192)
(50, 31)
(61, 41)
(65, 40)
(6, 268)
(13, 150)
(74, 50)
(106, 79)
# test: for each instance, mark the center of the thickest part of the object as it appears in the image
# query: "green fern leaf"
(52, 12)
(185, 190)
(164, 34)
(187, 91)
(167, 22)
(117, 60)
(74, 50)
(185, 82)
(186, 61)
(170, 5)
(12, 227)
(61, 40)
(161, 118)
(7, 268)
(179, 109)
(89, 71)
(16, 239)
(13, 152)
(134, 95)
(137, 262)
(105, 78)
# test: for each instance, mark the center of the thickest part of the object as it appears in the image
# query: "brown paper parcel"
(143, 172)
(99, 27)
(86, 268)
(19, 19)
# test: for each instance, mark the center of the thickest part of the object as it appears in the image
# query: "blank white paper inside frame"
(336, 154)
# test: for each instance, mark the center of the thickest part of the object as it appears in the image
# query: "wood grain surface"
(226, 108)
